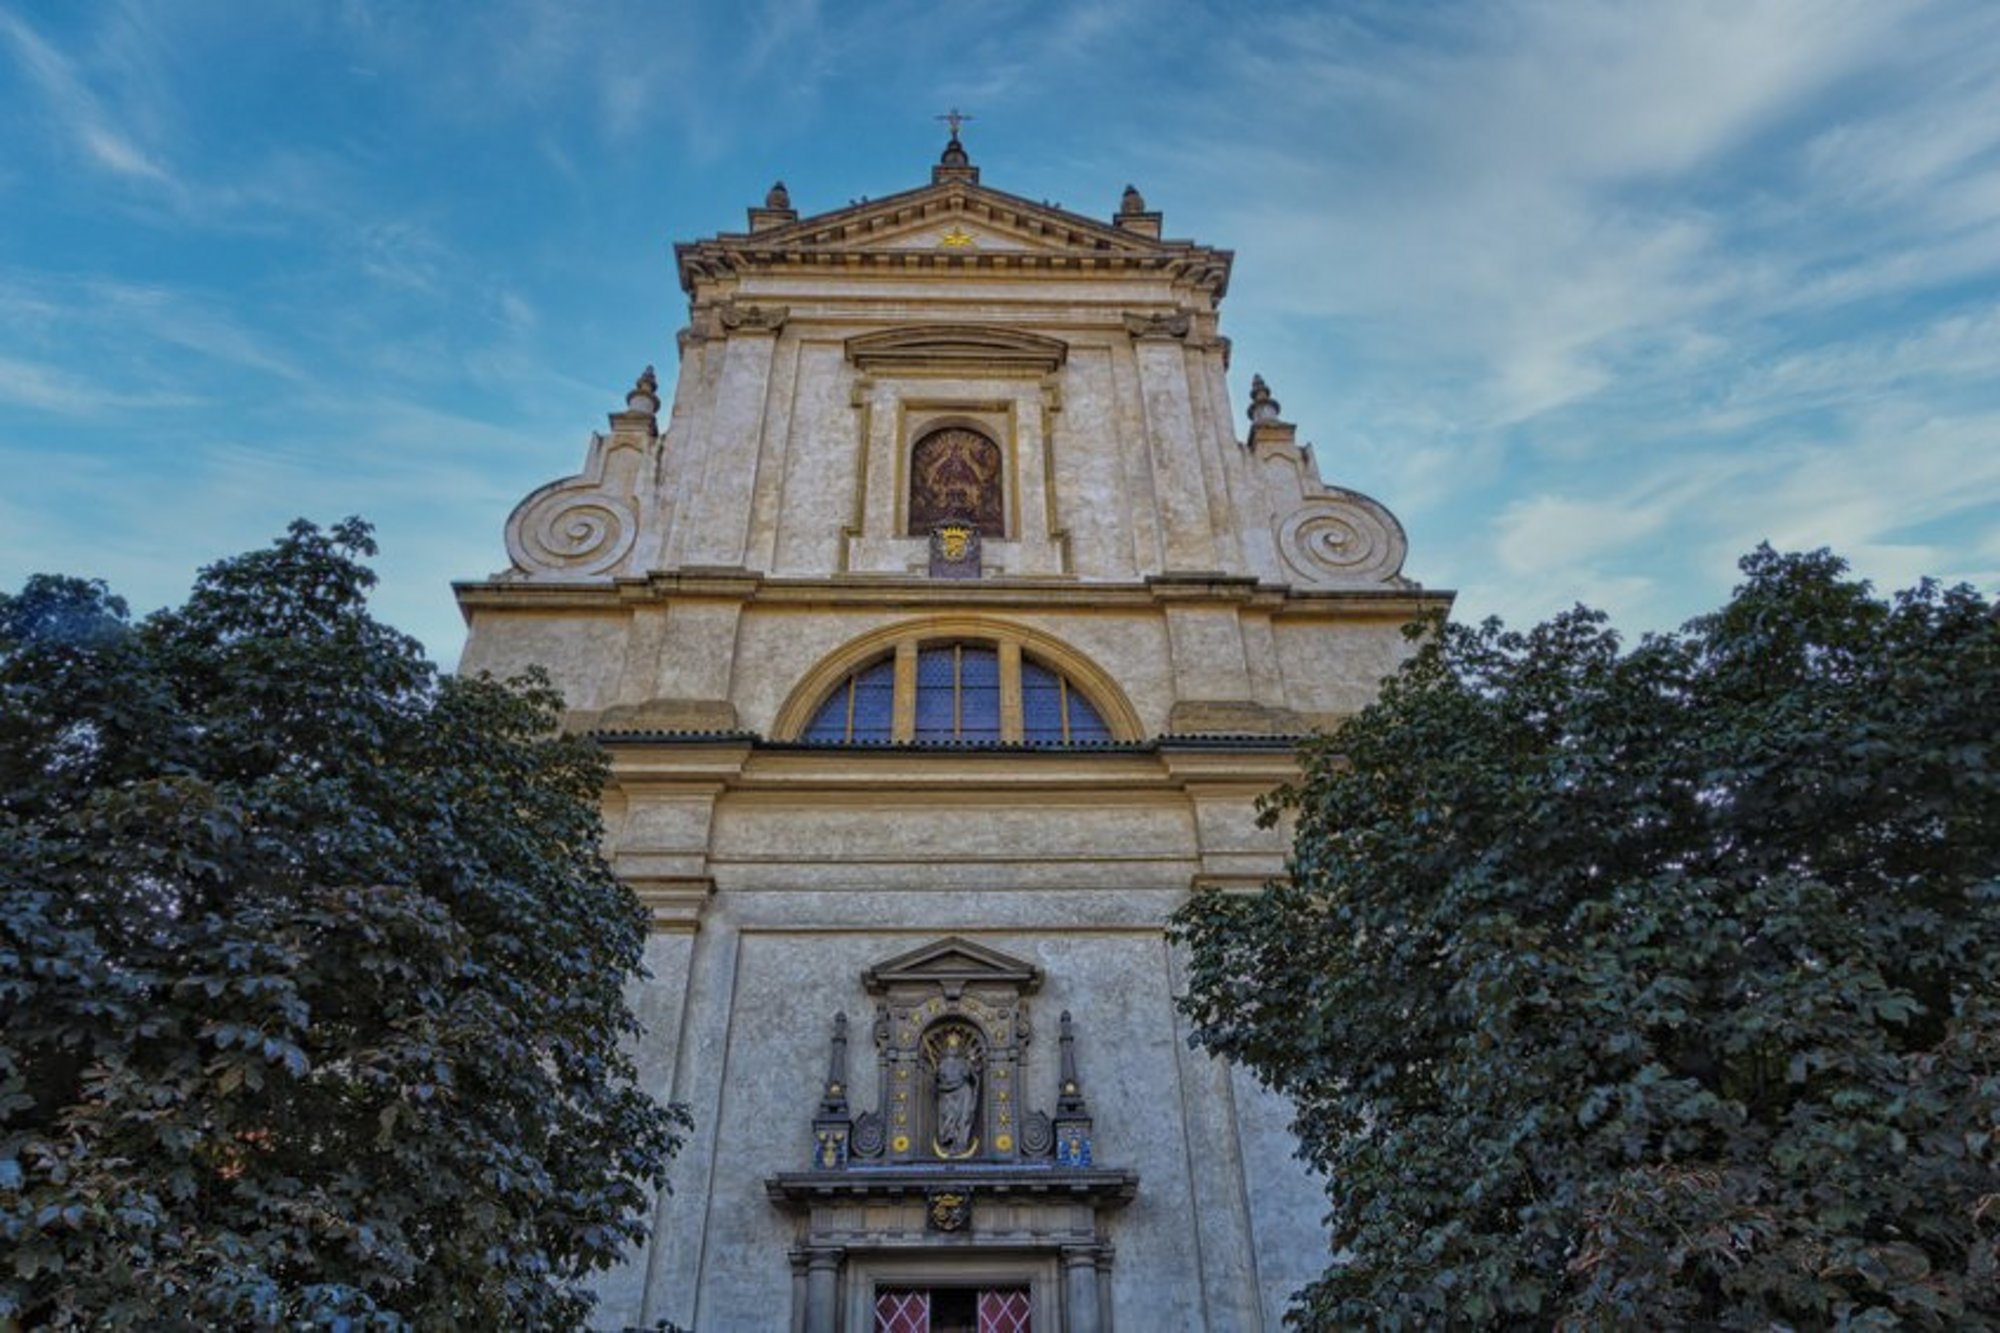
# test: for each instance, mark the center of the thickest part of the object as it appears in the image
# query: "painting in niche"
(955, 474)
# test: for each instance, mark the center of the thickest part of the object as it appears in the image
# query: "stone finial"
(834, 1101)
(954, 154)
(1070, 1095)
(645, 394)
(1072, 1128)
(777, 210)
(833, 1128)
(1263, 407)
(1132, 215)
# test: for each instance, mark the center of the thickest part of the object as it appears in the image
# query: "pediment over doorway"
(953, 963)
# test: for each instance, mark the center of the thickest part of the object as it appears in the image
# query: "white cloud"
(80, 111)
(1553, 532)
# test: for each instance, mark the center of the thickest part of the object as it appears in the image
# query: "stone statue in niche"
(955, 1084)
(955, 474)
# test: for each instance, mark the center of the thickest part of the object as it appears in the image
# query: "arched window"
(957, 693)
(955, 474)
(862, 709)
(1053, 712)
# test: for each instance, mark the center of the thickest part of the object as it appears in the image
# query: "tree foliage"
(1651, 989)
(310, 970)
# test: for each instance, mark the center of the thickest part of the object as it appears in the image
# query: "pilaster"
(718, 514)
(1187, 535)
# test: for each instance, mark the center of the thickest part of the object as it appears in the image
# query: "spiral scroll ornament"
(1344, 540)
(572, 532)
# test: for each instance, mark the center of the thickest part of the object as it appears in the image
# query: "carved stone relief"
(951, 1032)
(1340, 538)
(743, 317)
(585, 525)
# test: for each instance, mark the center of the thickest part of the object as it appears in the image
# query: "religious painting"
(955, 474)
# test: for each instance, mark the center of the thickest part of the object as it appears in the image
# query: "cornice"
(1099, 1188)
(838, 242)
(919, 593)
(784, 773)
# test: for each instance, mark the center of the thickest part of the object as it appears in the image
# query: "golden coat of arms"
(950, 1210)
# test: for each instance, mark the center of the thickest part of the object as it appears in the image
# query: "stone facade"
(942, 639)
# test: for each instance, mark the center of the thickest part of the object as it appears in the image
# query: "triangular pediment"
(954, 961)
(937, 215)
(955, 223)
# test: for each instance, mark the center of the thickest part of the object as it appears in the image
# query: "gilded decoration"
(950, 1210)
(955, 540)
(955, 551)
(955, 475)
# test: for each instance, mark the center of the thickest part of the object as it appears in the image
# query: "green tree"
(310, 971)
(1647, 989)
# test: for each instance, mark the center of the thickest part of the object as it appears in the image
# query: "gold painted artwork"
(955, 475)
(958, 238)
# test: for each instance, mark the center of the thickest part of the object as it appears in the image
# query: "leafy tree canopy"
(1647, 989)
(310, 971)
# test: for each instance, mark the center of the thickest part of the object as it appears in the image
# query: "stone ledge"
(700, 716)
(1232, 717)
(1100, 1187)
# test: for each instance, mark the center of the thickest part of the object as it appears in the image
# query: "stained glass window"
(958, 694)
(1004, 1311)
(862, 709)
(902, 1311)
(959, 700)
(953, 1310)
(1054, 713)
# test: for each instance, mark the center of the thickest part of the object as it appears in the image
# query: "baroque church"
(942, 633)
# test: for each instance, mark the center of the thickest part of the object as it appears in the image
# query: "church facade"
(942, 633)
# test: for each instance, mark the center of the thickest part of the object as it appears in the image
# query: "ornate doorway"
(957, 1203)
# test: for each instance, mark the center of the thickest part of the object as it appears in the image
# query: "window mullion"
(957, 692)
(904, 729)
(1013, 726)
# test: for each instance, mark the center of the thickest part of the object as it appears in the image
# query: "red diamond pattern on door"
(903, 1312)
(1003, 1311)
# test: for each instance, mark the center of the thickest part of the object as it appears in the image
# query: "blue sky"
(1595, 296)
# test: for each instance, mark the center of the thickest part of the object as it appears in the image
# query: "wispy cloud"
(52, 388)
(77, 111)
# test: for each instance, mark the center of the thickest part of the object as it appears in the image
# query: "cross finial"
(953, 118)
